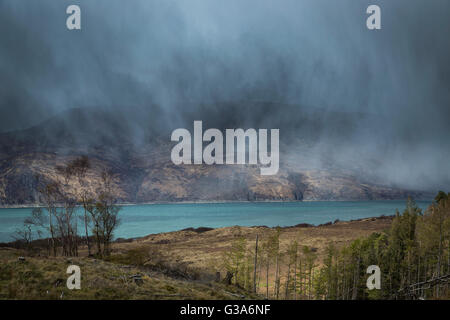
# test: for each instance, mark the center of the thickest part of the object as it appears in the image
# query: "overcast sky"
(315, 54)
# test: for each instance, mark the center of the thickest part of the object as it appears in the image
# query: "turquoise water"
(141, 220)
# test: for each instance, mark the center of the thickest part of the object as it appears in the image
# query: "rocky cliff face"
(164, 181)
(146, 174)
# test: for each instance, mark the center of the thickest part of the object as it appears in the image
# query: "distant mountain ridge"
(144, 173)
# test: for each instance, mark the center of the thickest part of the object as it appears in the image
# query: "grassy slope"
(45, 278)
(175, 265)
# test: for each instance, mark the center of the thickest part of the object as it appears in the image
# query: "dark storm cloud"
(184, 59)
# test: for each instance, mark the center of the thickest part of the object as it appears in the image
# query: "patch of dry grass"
(45, 278)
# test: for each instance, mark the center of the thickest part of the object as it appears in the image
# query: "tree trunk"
(267, 277)
(356, 279)
(288, 279)
(276, 278)
(295, 277)
(256, 263)
(87, 232)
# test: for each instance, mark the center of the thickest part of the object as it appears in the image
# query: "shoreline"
(125, 204)
(202, 229)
